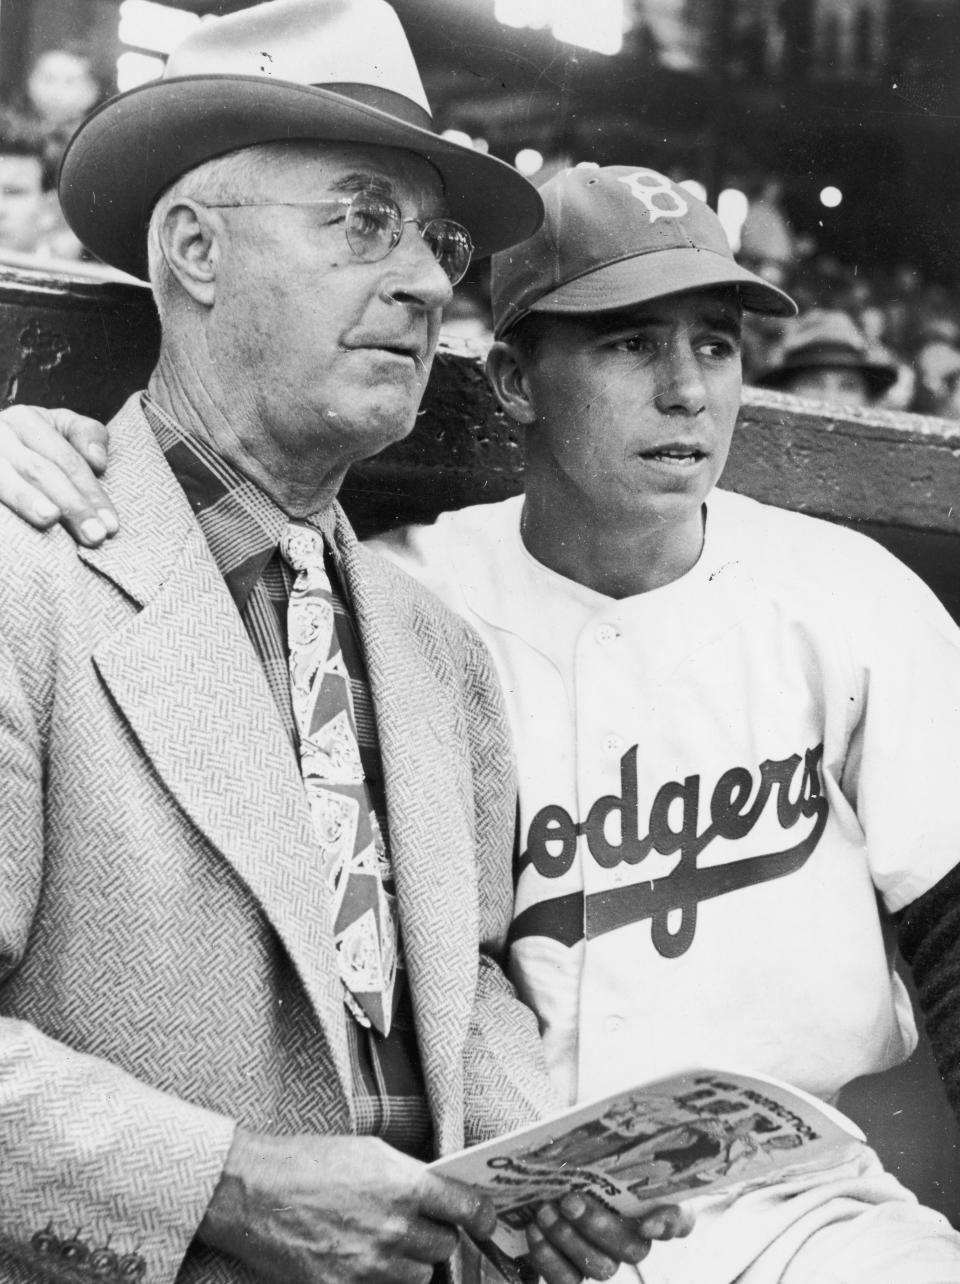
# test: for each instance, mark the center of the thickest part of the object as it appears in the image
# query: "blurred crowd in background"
(62, 87)
(896, 318)
(903, 327)
(882, 337)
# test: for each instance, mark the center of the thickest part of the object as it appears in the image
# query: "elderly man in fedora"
(258, 801)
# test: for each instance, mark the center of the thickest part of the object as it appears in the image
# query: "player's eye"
(635, 343)
(719, 348)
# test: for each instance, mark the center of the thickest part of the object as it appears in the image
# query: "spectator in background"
(938, 379)
(873, 322)
(825, 356)
(767, 242)
(63, 87)
(26, 187)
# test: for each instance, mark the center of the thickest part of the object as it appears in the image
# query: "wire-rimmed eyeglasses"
(374, 224)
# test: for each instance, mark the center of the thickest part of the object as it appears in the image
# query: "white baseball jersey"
(718, 780)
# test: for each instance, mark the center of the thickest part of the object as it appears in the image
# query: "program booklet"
(661, 1142)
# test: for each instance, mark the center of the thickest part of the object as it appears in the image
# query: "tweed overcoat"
(166, 965)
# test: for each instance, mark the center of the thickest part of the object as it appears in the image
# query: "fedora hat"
(826, 338)
(326, 70)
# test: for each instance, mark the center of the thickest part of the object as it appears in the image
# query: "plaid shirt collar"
(240, 522)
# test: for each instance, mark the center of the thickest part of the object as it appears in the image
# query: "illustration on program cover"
(662, 1142)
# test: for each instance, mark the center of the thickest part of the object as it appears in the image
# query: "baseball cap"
(617, 235)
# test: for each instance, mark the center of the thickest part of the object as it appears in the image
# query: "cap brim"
(643, 277)
(128, 152)
(880, 377)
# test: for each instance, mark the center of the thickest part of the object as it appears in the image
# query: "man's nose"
(412, 274)
(681, 386)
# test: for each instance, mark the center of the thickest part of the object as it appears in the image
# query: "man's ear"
(506, 372)
(190, 241)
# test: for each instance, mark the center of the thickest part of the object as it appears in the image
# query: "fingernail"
(573, 1206)
(45, 510)
(654, 1227)
(547, 1215)
(93, 529)
(97, 455)
(534, 1234)
(109, 520)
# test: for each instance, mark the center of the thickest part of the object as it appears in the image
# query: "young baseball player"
(738, 728)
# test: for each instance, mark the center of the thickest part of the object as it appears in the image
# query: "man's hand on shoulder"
(345, 1210)
(49, 464)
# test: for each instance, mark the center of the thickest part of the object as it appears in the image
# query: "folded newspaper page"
(662, 1142)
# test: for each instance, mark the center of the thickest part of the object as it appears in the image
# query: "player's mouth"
(674, 454)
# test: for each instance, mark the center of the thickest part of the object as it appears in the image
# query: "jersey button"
(612, 744)
(606, 633)
(614, 1023)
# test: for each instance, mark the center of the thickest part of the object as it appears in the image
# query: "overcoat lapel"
(423, 740)
(187, 680)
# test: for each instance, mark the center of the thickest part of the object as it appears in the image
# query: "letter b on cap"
(649, 187)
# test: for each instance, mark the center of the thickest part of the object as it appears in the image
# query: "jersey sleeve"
(904, 752)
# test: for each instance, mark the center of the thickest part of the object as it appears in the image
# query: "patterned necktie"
(351, 844)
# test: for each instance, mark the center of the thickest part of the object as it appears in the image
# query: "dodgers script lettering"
(737, 802)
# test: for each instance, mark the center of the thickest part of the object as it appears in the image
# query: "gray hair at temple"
(236, 176)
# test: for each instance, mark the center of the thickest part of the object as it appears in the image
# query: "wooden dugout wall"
(86, 343)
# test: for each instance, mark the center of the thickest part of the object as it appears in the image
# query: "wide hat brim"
(644, 277)
(125, 155)
(880, 377)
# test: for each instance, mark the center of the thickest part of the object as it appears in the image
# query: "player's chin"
(677, 499)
